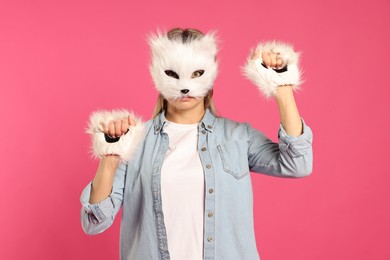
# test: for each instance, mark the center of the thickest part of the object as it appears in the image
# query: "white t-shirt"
(182, 191)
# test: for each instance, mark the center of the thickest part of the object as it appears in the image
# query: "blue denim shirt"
(228, 151)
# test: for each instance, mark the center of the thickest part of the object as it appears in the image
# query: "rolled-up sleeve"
(291, 157)
(97, 217)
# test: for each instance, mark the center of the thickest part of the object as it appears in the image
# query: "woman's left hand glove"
(271, 65)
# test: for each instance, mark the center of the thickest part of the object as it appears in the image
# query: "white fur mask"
(177, 67)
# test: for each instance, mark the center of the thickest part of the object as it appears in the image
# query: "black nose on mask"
(184, 91)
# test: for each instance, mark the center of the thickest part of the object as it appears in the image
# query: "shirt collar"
(207, 121)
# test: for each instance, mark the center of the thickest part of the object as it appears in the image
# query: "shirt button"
(210, 126)
(158, 129)
(210, 214)
(210, 239)
(208, 166)
(204, 149)
(211, 191)
(203, 132)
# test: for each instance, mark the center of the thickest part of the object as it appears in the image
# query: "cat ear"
(159, 43)
(208, 43)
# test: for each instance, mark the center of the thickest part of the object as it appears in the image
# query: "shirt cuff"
(97, 212)
(296, 145)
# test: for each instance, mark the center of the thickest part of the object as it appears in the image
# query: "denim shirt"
(229, 151)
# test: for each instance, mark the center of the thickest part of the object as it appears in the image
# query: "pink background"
(61, 60)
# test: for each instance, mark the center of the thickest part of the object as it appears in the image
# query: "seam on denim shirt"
(92, 218)
(157, 205)
(290, 149)
(288, 143)
(101, 210)
(97, 212)
(226, 167)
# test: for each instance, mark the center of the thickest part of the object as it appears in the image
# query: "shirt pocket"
(234, 156)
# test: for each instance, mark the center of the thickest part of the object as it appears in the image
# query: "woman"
(182, 178)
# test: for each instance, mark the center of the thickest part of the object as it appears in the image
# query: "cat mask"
(181, 69)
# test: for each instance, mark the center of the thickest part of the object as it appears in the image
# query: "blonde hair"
(184, 35)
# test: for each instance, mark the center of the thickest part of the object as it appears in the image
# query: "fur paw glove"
(127, 143)
(268, 79)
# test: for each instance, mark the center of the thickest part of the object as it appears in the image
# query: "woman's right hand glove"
(116, 132)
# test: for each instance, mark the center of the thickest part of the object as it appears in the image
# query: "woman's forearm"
(104, 178)
(288, 110)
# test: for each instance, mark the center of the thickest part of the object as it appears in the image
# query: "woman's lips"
(185, 99)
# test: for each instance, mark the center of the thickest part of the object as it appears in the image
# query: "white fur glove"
(268, 79)
(126, 144)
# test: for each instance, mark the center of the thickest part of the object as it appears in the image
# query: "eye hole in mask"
(197, 74)
(171, 74)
